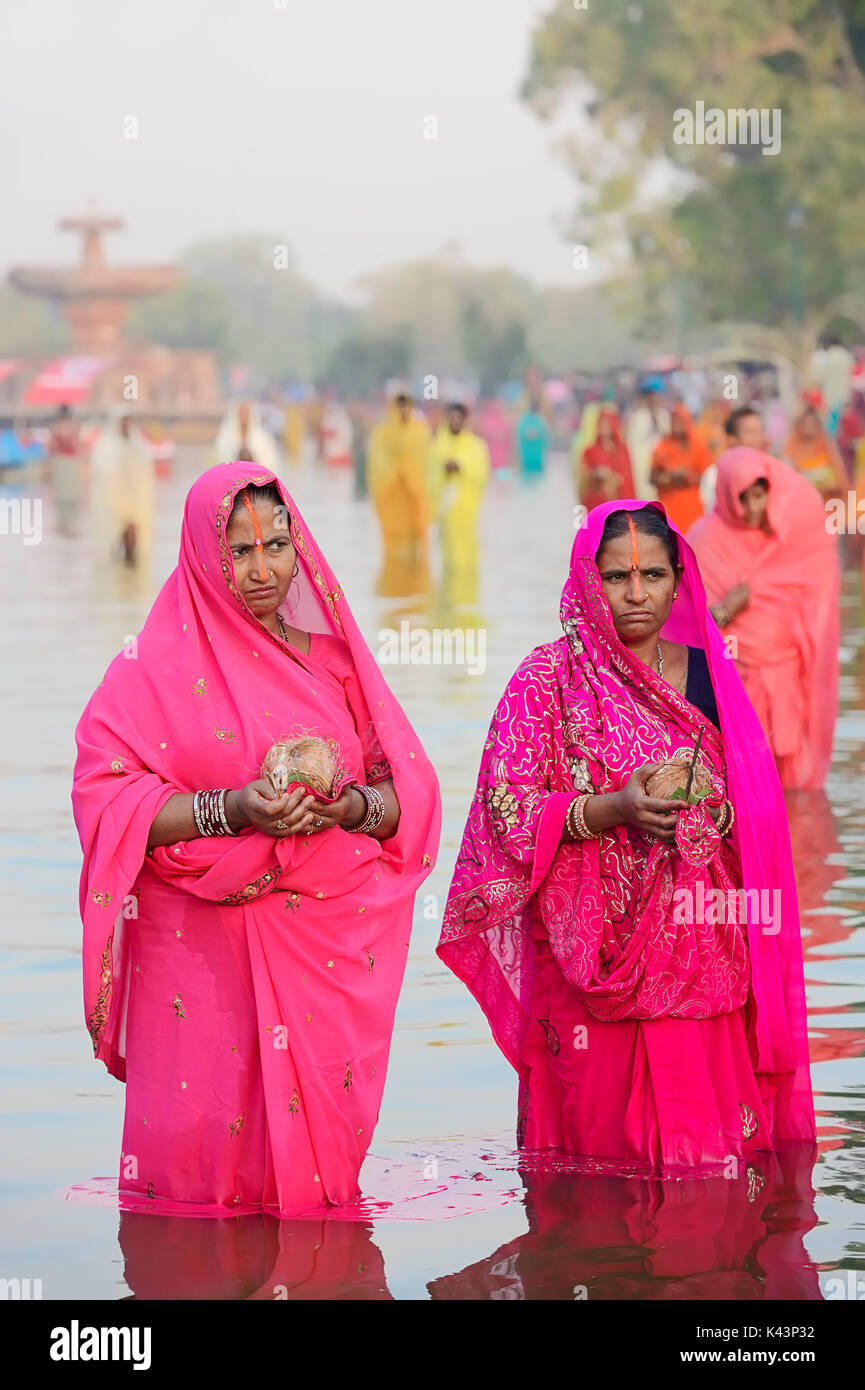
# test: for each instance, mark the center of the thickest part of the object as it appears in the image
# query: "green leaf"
(696, 797)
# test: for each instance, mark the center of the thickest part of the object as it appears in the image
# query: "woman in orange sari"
(772, 578)
(604, 471)
(813, 452)
(711, 425)
(678, 464)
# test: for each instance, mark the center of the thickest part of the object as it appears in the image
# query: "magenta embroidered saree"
(244, 988)
(645, 1028)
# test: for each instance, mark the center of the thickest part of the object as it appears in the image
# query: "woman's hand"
(737, 599)
(348, 810)
(650, 814)
(258, 805)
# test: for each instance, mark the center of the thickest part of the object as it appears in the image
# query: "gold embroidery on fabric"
(292, 902)
(177, 1005)
(117, 765)
(294, 1103)
(749, 1121)
(347, 1078)
(756, 1183)
(101, 899)
(371, 958)
(235, 1126)
(580, 775)
(98, 1018)
(252, 890)
(200, 687)
(225, 735)
(505, 805)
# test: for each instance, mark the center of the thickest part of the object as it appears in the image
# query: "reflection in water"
(256, 1257)
(597, 1238)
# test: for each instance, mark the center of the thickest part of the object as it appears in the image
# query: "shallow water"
(778, 1232)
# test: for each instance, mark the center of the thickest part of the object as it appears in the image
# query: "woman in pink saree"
(243, 955)
(654, 1013)
(772, 574)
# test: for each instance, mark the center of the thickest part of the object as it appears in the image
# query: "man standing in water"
(460, 470)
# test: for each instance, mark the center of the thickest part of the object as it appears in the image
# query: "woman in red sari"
(604, 472)
(244, 946)
(638, 959)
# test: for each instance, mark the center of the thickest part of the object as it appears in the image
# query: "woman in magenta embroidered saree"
(244, 985)
(653, 1010)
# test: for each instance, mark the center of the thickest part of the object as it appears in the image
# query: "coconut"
(673, 776)
(309, 760)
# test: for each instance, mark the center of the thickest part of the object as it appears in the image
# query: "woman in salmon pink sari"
(772, 575)
(654, 1013)
(243, 946)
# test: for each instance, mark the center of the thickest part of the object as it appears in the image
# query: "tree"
(774, 239)
(362, 362)
(29, 327)
(278, 321)
(195, 315)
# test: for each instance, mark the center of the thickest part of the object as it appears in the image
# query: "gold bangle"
(577, 821)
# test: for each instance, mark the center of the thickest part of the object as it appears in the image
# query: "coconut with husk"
(682, 778)
(309, 760)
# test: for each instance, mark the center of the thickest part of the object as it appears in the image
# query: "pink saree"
(650, 1020)
(244, 988)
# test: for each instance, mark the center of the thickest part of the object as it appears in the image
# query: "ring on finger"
(281, 825)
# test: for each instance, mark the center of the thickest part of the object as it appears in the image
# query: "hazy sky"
(306, 119)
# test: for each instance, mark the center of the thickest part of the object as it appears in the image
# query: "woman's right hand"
(650, 814)
(258, 805)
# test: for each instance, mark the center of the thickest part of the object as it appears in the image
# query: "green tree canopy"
(774, 239)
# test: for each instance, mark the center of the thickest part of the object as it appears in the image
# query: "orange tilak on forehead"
(635, 554)
(257, 529)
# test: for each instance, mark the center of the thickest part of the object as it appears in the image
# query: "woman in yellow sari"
(397, 474)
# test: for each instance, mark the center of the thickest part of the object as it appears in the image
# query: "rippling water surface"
(780, 1232)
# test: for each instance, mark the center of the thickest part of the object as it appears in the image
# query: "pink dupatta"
(581, 714)
(196, 701)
